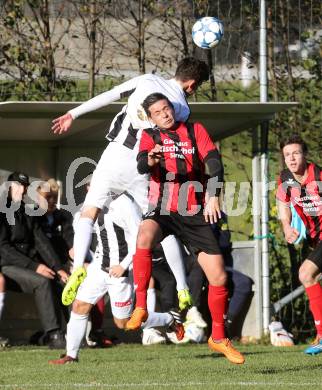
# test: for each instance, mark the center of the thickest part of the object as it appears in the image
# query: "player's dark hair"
(192, 69)
(153, 98)
(294, 139)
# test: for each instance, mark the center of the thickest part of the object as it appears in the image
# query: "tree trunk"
(141, 39)
(270, 53)
(92, 48)
(184, 36)
(213, 89)
(286, 51)
(50, 71)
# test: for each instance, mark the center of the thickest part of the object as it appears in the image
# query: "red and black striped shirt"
(305, 197)
(177, 182)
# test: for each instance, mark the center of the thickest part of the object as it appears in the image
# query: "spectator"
(23, 247)
(56, 223)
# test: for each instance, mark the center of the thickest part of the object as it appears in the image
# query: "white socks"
(151, 299)
(76, 329)
(2, 295)
(157, 319)
(174, 258)
(82, 240)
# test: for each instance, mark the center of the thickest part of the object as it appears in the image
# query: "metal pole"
(289, 298)
(264, 166)
(257, 234)
(263, 53)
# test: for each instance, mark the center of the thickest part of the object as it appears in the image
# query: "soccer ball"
(207, 32)
(194, 333)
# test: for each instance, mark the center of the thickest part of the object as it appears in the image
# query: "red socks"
(218, 304)
(314, 294)
(142, 268)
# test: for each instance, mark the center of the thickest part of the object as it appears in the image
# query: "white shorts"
(97, 283)
(116, 172)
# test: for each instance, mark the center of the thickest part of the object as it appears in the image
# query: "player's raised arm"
(64, 122)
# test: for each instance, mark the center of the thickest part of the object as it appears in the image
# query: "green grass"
(160, 367)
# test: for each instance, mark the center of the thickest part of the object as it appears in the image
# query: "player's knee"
(90, 212)
(145, 240)
(305, 276)
(80, 307)
(120, 322)
(308, 273)
(218, 279)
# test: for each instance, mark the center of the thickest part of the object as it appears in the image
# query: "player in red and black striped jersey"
(178, 156)
(186, 151)
(301, 185)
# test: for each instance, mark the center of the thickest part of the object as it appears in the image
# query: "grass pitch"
(133, 366)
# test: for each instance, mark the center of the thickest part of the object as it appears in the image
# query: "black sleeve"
(215, 170)
(45, 248)
(9, 254)
(142, 159)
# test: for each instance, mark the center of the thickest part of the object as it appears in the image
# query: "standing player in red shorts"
(300, 184)
(177, 154)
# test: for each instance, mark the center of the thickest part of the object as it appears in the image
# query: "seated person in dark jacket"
(22, 245)
(56, 223)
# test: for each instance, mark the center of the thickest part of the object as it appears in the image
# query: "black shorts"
(316, 255)
(193, 231)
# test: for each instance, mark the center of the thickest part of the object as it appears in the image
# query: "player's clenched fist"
(155, 155)
(291, 234)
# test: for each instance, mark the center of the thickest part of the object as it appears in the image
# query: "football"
(207, 32)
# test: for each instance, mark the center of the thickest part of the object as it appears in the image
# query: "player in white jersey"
(111, 272)
(116, 171)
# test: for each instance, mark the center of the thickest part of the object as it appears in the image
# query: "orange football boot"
(225, 347)
(138, 316)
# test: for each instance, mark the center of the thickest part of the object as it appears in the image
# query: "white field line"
(163, 384)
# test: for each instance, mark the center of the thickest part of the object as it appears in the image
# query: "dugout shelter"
(27, 144)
